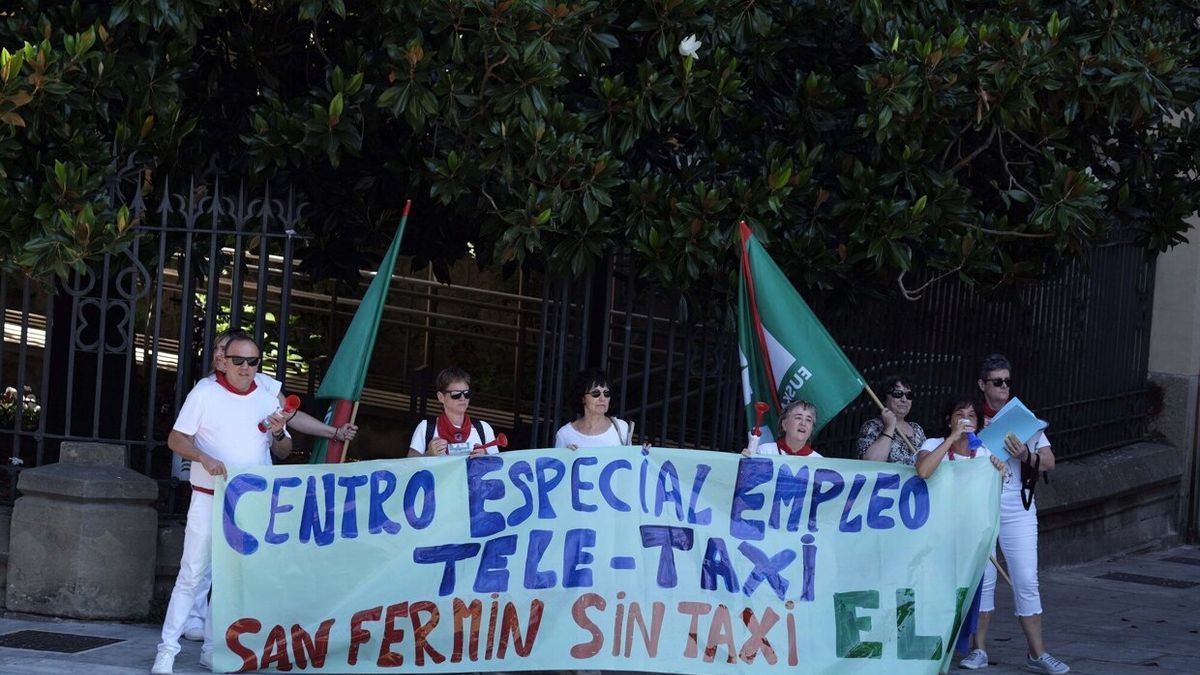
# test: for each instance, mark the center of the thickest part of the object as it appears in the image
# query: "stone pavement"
(1098, 626)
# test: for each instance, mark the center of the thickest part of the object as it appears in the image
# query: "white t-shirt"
(616, 434)
(931, 444)
(224, 425)
(271, 384)
(772, 448)
(464, 448)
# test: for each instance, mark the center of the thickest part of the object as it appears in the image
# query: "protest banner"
(663, 560)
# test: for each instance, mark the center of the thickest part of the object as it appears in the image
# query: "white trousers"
(199, 611)
(1018, 540)
(194, 568)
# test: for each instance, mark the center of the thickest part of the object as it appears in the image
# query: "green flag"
(343, 380)
(786, 354)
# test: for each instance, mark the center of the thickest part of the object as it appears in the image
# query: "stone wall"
(1109, 503)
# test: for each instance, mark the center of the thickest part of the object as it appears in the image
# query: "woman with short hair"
(796, 425)
(881, 439)
(593, 427)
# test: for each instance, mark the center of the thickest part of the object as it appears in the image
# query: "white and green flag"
(786, 354)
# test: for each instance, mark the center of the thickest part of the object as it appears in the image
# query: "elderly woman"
(880, 438)
(796, 425)
(593, 426)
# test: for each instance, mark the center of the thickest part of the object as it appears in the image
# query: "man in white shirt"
(217, 426)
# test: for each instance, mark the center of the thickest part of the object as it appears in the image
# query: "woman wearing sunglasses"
(1018, 527)
(453, 432)
(593, 427)
(880, 438)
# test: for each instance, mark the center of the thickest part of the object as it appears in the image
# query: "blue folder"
(1013, 418)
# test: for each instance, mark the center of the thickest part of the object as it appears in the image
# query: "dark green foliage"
(863, 140)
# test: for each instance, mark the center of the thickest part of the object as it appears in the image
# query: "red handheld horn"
(501, 441)
(291, 404)
(760, 409)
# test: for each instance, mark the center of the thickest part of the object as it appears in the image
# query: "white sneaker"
(164, 664)
(195, 634)
(206, 659)
(1046, 664)
(975, 660)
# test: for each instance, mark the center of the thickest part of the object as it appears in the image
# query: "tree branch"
(967, 160)
(915, 294)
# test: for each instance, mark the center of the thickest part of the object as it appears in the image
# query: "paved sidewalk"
(1098, 626)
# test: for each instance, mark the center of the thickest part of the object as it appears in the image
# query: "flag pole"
(346, 444)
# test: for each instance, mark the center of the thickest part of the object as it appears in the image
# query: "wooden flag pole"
(346, 443)
(914, 450)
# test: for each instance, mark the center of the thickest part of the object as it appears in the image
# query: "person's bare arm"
(182, 445)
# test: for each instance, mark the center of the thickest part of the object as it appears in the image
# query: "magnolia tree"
(868, 142)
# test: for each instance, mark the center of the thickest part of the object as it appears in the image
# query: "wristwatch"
(278, 435)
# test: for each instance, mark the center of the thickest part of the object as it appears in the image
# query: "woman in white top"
(593, 427)
(962, 418)
(796, 424)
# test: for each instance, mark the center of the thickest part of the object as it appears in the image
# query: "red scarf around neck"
(452, 434)
(988, 411)
(224, 382)
(787, 450)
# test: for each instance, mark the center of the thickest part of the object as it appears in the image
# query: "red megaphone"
(501, 441)
(760, 409)
(290, 405)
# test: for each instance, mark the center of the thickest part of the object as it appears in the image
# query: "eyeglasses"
(459, 393)
(251, 361)
(1001, 381)
(897, 394)
(597, 393)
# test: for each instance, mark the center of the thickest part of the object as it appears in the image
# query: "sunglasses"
(1001, 381)
(459, 393)
(897, 394)
(251, 361)
(597, 393)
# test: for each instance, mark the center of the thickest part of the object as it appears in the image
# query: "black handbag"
(1029, 478)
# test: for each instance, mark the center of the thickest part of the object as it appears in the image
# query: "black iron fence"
(1079, 344)
(109, 355)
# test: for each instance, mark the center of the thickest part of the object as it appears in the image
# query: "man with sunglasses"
(217, 427)
(453, 432)
(1018, 532)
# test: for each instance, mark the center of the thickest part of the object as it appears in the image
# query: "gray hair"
(991, 363)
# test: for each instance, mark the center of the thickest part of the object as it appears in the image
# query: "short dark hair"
(887, 384)
(585, 381)
(993, 362)
(957, 402)
(449, 376)
(241, 336)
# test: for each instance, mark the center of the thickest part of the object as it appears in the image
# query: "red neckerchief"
(452, 434)
(221, 380)
(988, 411)
(802, 452)
(952, 453)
